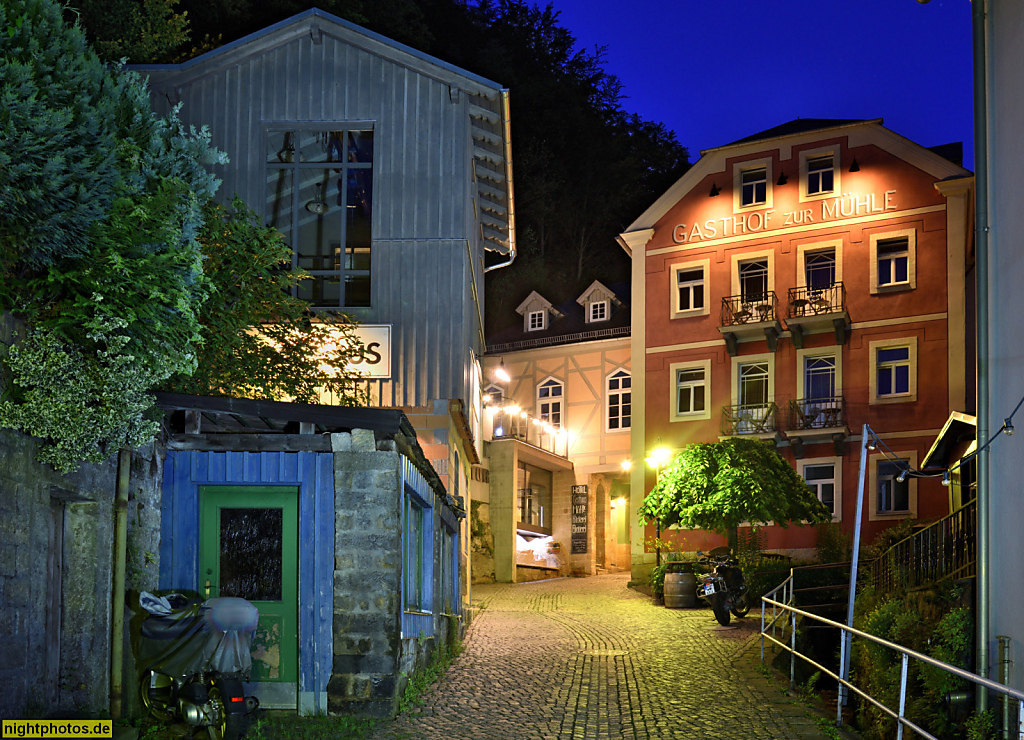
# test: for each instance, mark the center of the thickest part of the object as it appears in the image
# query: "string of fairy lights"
(908, 470)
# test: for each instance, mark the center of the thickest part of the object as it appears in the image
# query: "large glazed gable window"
(549, 402)
(620, 401)
(319, 194)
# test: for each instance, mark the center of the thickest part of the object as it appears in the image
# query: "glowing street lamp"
(501, 374)
(658, 457)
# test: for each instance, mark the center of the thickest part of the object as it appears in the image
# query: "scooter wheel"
(720, 609)
(740, 606)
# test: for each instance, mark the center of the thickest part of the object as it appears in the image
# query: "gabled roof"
(597, 287)
(534, 297)
(798, 132)
(316, 22)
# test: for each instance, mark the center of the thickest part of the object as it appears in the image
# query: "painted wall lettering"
(848, 205)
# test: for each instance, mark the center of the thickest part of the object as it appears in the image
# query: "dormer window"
(598, 311)
(537, 321)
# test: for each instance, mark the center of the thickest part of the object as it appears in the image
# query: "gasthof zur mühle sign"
(579, 520)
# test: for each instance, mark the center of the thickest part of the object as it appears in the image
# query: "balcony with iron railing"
(813, 420)
(750, 419)
(750, 316)
(508, 421)
(815, 309)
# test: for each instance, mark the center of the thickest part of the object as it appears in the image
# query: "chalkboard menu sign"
(580, 502)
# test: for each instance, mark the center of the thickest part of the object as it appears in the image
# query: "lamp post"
(658, 457)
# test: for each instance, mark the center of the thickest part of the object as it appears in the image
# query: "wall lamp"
(854, 167)
(782, 179)
(502, 374)
(715, 190)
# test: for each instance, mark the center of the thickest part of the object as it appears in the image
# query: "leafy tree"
(718, 485)
(100, 204)
(136, 30)
(291, 356)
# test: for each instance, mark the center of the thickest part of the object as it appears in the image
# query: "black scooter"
(196, 657)
(723, 587)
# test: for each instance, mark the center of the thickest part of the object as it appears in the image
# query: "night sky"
(719, 70)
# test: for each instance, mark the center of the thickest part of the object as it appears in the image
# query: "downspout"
(124, 463)
(506, 136)
(981, 271)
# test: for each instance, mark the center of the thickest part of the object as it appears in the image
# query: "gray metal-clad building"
(388, 171)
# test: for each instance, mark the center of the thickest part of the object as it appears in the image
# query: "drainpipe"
(981, 272)
(124, 462)
(506, 135)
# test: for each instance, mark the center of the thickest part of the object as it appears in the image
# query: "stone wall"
(367, 576)
(483, 542)
(56, 550)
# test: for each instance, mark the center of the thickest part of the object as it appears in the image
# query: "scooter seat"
(171, 627)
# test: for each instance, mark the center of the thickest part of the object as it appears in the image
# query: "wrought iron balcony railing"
(808, 301)
(751, 308)
(816, 413)
(749, 418)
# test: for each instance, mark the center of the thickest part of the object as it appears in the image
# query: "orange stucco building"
(797, 285)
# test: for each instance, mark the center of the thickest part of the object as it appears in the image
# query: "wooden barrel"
(680, 590)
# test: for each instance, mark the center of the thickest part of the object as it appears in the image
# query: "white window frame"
(805, 250)
(873, 347)
(609, 393)
(559, 401)
(911, 283)
(737, 183)
(531, 315)
(837, 185)
(739, 258)
(874, 515)
(593, 306)
(673, 368)
(734, 389)
(837, 463)
(802, 355)
(674, 270)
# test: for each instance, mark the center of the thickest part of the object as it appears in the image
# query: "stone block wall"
(367, 576)
(60, 668)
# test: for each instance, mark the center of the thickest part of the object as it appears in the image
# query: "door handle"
(207, 588)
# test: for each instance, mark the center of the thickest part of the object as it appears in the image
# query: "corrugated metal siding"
(423, 207)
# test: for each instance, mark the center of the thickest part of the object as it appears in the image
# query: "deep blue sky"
(717, 70)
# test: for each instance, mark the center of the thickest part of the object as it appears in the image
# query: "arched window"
(549, 401)
(619, 394)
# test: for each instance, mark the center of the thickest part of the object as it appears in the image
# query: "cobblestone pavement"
(590, 658)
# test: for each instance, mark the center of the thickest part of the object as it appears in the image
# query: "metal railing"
(751, 308)
(580, 336)
(808, 301)
(944, 549)
(785, 609)
(526, 428)
(817, 413)
(749, 418)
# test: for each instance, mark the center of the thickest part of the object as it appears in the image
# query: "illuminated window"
(894, 370)
(690, 390)
(820, 175)
(549, 402)
(619, 400)
(537, 320)
(754, 187)
(319, 195)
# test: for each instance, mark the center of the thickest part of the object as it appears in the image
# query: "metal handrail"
(580, 336)
(943, 549)
(749, 418)
(817, 413)
(905, 655)
(749, 308)
(809, 301)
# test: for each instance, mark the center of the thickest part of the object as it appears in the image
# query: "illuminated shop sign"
(849, 205)
(376, 359)
(580, 505)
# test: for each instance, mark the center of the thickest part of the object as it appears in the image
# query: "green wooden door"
(248, 547)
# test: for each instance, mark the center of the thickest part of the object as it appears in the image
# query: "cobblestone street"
(590, 658)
